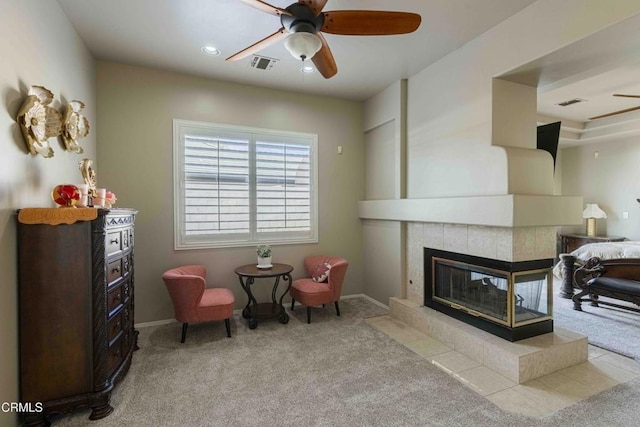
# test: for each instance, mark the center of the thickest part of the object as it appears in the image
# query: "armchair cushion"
(310, 292)
(216, 303)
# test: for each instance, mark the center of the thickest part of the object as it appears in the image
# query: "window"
(238, 186)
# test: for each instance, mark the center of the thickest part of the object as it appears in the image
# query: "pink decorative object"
(110, 199)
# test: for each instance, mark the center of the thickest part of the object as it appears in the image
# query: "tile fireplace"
(509, 299)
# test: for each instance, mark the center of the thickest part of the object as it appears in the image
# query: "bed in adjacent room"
(605, 251)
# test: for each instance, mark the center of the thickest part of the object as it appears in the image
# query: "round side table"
(254, 310)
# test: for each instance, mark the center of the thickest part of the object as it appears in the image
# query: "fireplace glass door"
(531, 296)
(510, 299)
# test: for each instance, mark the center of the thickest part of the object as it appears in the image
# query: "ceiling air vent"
(262, 62)
(570, 102)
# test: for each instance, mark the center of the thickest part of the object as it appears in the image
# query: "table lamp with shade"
(591, 213)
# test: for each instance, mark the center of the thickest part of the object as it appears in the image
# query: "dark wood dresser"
(76, 303)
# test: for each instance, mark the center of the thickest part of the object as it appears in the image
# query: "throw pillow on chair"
(321, 273)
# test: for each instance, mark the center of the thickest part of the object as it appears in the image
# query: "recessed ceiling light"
(210, 50)
(307, 69)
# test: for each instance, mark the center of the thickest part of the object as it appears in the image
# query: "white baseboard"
(154, 323)
(239, 311)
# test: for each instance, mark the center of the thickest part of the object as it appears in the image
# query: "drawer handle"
(118, 297)
(116, 269)
(114, 241)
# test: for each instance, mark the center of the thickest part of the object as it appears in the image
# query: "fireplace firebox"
(509, 299)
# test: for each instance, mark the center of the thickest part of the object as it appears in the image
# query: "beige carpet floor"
(611, 328)
(337, 371)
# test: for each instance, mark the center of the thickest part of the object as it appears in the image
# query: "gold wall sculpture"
(75, 126)
(38, 121)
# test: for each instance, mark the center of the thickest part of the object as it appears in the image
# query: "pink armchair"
(311, 292)
(193, 302)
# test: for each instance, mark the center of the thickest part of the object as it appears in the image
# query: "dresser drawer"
(115, 355)
(114, 270)
(115, 326)
(114, 242)
(115, 298)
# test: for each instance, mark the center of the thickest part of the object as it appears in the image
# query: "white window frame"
(184, 242)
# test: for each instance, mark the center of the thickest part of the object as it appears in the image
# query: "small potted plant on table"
(264, 256)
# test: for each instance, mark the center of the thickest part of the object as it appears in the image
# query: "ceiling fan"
(304, 22)
(626, 110)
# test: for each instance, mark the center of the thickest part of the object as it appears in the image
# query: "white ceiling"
(593, 68)
(168, 34)
(597, 93)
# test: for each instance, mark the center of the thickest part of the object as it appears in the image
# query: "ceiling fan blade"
(626, 110)
(370, 22)
(626, 96)
(324, 61)
(265, 42)
(266, 7)
(315, 5)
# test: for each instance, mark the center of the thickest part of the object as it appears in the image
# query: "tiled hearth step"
(519, 361)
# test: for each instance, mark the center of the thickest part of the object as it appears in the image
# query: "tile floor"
(536, 398)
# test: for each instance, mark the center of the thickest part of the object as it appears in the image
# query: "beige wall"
(380, 154)
(612, 181)
(383, 241)
(137, 106)
(38, 46)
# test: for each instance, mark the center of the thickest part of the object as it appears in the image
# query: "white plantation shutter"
(216, 182)
(238, 186)
(283, 192)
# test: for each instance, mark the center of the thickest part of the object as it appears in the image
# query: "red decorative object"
(321, 272)
(66, 195)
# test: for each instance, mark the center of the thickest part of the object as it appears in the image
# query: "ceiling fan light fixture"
(307, 69)
(302, 45)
